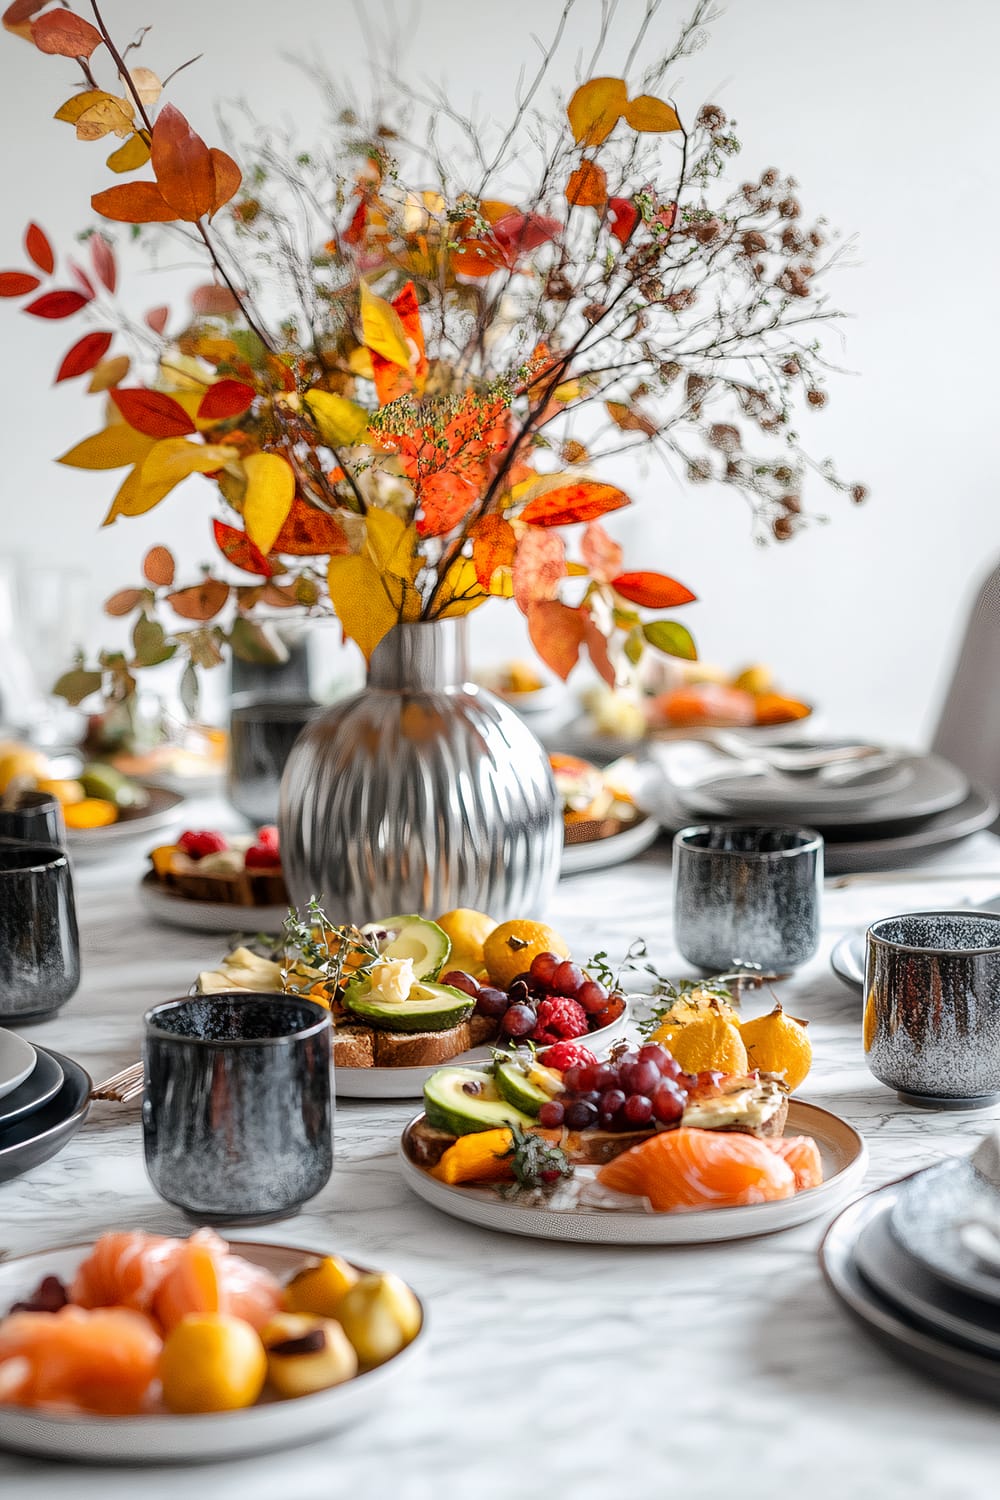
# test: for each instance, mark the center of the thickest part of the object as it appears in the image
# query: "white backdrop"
(883, 109)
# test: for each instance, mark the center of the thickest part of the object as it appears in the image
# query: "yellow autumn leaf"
(646, 112)
(146, 85)
(113, 448)
(172, 459)
(106, 116)
(135, 153)
(391, 543)
(268, 499)
(502, 583)
(595, 109)
(359, 362)
(382, 329)
(340, 422)
(79, 103)
(109, 372)
(134, 497)
(569, 391)
(361, 601)
(185, 373)
(460, 591)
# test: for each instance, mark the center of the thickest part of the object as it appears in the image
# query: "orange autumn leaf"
(227, 398)
(539, 567)
(630, 418)
(213, 301)
(152, 412)
(556, 632)
(36, 242)
(158, 567)
(17, 16)
(200, 602)
(651, 590)
(183, 166)
(84, 355)
(109, 372)
(64, 34)
(238, 549)
(17, 283)
(595, 109)
(445, 499)
(588, 186)
(308, 532)
(494, 543)
(646, 112)
(597, 646)
(601, 553)
(584, 500)
(134, 203)
(391, 381)
(228, 178)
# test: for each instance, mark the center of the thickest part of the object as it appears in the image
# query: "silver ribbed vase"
(420, 794)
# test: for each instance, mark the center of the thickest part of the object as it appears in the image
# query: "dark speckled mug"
(238, 1110)
(39, 944)
(932, 1007)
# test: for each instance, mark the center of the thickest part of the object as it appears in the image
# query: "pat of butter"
(751, 1107)
(392, 979)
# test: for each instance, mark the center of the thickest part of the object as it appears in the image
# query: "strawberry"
(262, 857)
(197, 844)
(267, 837)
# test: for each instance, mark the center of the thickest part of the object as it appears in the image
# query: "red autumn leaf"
(588, 186)
(308, 532)
(494, 543)
(158, 566)
(20, 11)
(556, 632)
(83, 280)
(583, 501)
(103, 258)
(238, 549)
(213, 301)
(182, 165)
(518, 233)
(445, 499)
(227, 398)
(134, 203)
(36, 242)
(200, 602)
(624, 217)
(156, 318)
(601, 553)
(61, 304)
(539, 565)
(651, 590)
(227, 178)
(597, 646)
(391, 380)
(64, 34)
(84, 355)
(17, 283)
(124, 602)
(152, 413)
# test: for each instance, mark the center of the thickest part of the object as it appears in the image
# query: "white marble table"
(554, 1369)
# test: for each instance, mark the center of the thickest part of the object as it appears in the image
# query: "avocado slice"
(517, 1087)
(464, 1100)
(414, 937)
(429, 1007)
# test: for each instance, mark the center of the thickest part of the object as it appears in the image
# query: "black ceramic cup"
(932, 1007)
(39, 942)
(238, 1110)
(36, 818)
(747, 897)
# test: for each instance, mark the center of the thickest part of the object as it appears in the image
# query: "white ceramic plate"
(17, 1059)
(207, 916)
(599, 854)
(801, 796)
(847, 959)
(845, 1158)
(134, 825)
(169, 1438)
(408, 1083)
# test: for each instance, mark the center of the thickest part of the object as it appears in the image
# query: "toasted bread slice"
(482, 1029)
(353, 1047)
(420, 1049)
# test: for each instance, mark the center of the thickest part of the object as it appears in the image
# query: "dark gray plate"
(942, 1361)
(42, 1083)
(35, 1137)
(924, 1298)
(926, 1218)
(844, 856)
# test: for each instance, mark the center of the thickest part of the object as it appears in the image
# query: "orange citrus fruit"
(777, 1043)
(212, 1362)
(510, 948)
(711, 1043)
(90, 812)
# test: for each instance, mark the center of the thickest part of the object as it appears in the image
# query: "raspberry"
(261, 857)
(559, 1019)
(197, 844)
(567, 1055)
(267, 837)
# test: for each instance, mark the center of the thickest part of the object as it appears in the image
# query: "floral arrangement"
(403, 373)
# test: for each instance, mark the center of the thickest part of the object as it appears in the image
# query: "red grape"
(638, 1109)
(590, 1078)
(624, 1058)
(543, 966)
(668, 1103)
(518, 1020)
(525, 978)
(571, 1079)
(611, 1102)
(592, 996)
(492, 1002)
(580, 1114)
(640, 1077)
(551, 1115)
(654, 1053)
(459, 980)
(568, 978)
(605, 1076)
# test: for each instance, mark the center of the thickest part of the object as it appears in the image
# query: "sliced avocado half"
(463, 1100)
(429, 1007)
(517, 1086)
(414, 937)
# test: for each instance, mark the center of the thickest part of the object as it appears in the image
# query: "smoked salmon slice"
(680, 1170)
(802, 1155)
(99, 1360)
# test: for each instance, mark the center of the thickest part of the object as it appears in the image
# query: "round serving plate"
(408, 1083)
(207, 916)
(936, 1357)
(848, 856)
(845, 1158)
(34, 1137)
(17, 1058)
(600, 854)
(134, 824)
(847, 959)
(929, 1211)
(579, 737)
(42, 1084)
(171, 1438)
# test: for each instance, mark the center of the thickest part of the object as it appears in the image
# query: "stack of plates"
(44, 1098)
(912, 1263)
(871, 819)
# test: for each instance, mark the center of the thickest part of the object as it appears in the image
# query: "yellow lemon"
(755, 679)
(777, 1043)
(21, 763)
(711, 1043)
(65, 792)
(467, 931)
(510, 948)
(212, 1362)
(695, 1006)
(90, 812)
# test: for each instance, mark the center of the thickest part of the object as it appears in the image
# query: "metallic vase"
(420, 794)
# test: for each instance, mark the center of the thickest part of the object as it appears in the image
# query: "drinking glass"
(747, 897)
(39, 942)
(238, 1110)
(261, 736)
(33, 818)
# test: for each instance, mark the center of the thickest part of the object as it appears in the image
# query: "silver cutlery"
(793, 758)
(121, 1087)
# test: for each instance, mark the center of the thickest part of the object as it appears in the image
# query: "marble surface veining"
(553, 1369)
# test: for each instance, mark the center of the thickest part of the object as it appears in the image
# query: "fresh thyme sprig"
(726, 988)
(323, 948)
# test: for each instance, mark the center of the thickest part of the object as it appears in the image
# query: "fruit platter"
(142, 1347)
(601, 823)
(209, 881)
(407, 994)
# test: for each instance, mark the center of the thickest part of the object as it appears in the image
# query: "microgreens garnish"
(535, 1162)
